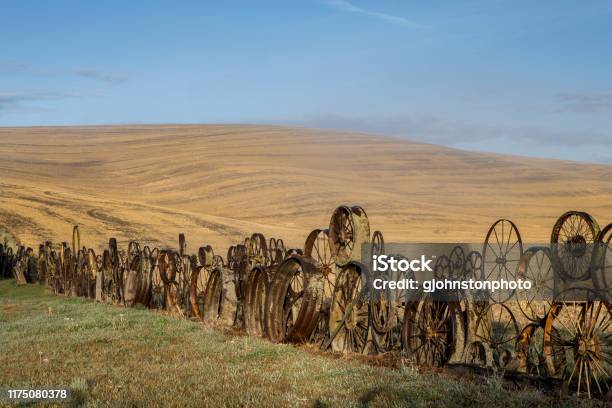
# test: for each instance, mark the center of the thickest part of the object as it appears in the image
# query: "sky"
(518, 77)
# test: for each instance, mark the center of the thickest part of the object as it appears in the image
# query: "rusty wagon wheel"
(497, 327)
(132, 274)
(116, 272)
(220, 297)
(536, 265)
(107, 276)
(158, 292)
(240, 272)
(231, 256)
(168, 271)
(378, 243)
(147, 264)
(501, 254)
(317, 248)
(473, 266)
(387, 308)
(573, 245)
(272, 248)
(477, 352)
(281, 250)
(349, 228)
(92, 271)
(218, 262)
(199, 280)
(293, 301)
(206, 256)
(349, 320)
(431, 330)
(187, 266)
(578, 344)
(255, 301)
(530, 350)
(602, 268)
(257, 249)
(457, 262)
(442, 267)
(385, 316)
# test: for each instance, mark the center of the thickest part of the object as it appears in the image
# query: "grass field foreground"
(111, 356)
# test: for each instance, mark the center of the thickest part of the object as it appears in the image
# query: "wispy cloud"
(11, 66)
(347, 6)
(25, 67)
(586, 102)
(100, 76)
(14, 100)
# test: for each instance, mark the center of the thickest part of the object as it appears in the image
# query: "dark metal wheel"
(385, 317)
(206, 256)
(219, 297)
(530, 350)
(430, 333)
(293, 301)
(257, 249)
(318, 249)
(255, 301)
(602, 265)
(199, 280)
(536, 266)
(443, 268)
(501, 254)
(349, 228)
(578, 345)
(378, 243)
(497, 327)
(349, 314)
(231, 257)
(573, 245)
(457, 262)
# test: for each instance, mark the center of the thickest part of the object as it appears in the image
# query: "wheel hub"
(577, 246)
(586, 345)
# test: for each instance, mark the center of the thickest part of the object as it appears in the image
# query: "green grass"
(127, 357)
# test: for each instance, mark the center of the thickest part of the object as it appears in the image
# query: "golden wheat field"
(219, 183)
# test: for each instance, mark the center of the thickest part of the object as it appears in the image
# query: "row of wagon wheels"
(317, 294)
(563, 328)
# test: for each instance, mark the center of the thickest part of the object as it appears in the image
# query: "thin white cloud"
(347, 6)
(25, 67)
(586, 102)
(16, 100)
(99, 75)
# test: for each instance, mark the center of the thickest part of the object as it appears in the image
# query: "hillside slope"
(219, 183)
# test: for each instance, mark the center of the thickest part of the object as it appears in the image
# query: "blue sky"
(519, 77)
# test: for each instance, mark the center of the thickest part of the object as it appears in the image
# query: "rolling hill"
(218, 183)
